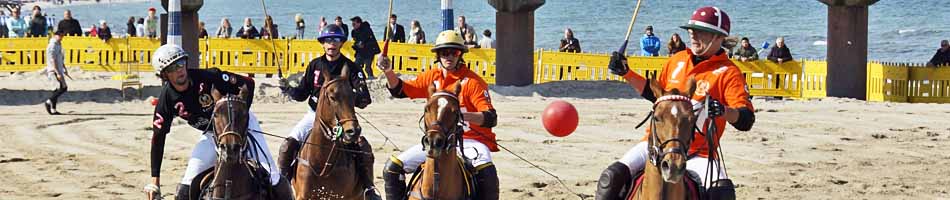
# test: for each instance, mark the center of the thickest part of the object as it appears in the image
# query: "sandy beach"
(817, 149)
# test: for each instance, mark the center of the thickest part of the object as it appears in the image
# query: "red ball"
(154, 101)
(560, 118)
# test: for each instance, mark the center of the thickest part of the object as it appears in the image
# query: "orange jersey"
(717, 77)
(474, 96)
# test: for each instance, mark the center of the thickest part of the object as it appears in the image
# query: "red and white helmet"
(709, 19)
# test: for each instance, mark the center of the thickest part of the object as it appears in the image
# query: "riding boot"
(486, 183)
(283, 190)
(722, 189)
(183, 192)
(613, 181)
(394, 179)
(286, 157)
(365, 162)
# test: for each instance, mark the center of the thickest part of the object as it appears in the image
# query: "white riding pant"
(474, 152)
(302, 130)
(204, 156)
(636, 158)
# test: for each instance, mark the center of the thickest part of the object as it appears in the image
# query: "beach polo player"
(716, 77)
(186, 93)
(331, 38)
(477, 112)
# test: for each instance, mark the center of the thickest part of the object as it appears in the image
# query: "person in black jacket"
(780, 53)
(105, 33)
(248, 31)
(942, 57)
(333, 62)
(69, 25)
(130, 27)
(365, 45)
(339, 22)
(37, 24)
(398, 33)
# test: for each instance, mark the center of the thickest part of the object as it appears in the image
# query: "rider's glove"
(616, 65)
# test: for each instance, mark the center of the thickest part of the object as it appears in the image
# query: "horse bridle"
(230, 133)
(453, 131)
(656, 152)
(334, 132)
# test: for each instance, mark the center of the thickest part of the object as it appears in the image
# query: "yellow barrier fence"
(806, 79)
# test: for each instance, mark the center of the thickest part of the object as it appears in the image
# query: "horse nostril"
(665, 165)
(357, 130)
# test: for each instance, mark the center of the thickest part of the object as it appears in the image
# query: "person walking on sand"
(56, 68)
(715, 76)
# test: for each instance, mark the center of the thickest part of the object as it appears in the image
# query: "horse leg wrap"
(183, 192)
(722, 189)
(486, 183)
(286, 157)
(612, 182)
(393, 180)
(365, 168)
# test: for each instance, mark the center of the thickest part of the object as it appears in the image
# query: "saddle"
(468, 171)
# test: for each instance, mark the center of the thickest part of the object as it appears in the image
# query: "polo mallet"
(388, 35)
(280, 73)
(626, 39)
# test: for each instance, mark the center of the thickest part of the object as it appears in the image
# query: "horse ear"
(244, 92)
(432, 87)
(656, 88)
(345, 73)
(692, 87)
(215, 95)
(458, 88)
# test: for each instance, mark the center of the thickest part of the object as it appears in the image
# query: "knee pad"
(721, 189)
(613, 182)
(393, 166)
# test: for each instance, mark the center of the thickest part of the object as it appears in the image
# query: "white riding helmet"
(167, 55)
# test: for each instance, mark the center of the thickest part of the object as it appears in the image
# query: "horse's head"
(672, 130)
(230, 123)
(336, 107)
(442, 119)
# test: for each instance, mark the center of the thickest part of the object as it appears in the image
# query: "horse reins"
(656, 150)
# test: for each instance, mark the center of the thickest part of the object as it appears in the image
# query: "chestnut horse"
(235, 176)
(443, 174)
(326, 168)
(671, 125)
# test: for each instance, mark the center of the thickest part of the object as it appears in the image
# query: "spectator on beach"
(463, 27)
(746, 52)
(248, 31)
(130, 27)
(569, 43)
(416, 34)
(780, 53)
(301, 26)
(69, 25)
(140, 27)
(269, 30)
(3, 25)
(323, 23)
(202, 32)
(224, 30)
(105, 33)
(650, 44)
(17, 25)
(339, 22)
(37, 23)
(365, 45)
(151, 24)
(470, 41)
(94, 31)
(396, 31)
(676, 44)
(942, 57)
(486, 41)
(55, 68)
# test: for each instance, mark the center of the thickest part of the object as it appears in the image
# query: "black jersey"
(309, 87)
(194, 105)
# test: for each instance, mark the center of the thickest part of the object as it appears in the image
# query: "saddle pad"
(691, 186)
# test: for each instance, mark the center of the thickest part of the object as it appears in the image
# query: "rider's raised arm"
(740, 112)
(415, 88)
(162, 120)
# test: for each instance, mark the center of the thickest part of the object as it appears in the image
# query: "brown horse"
(326, 168)
(443, 174)
(671, 126)
(234, 176)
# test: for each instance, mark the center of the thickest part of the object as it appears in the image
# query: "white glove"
(383, 63)
(153, 192)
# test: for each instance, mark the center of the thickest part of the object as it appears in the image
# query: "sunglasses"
(332, 39)
(449, 52)
(175, 66)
